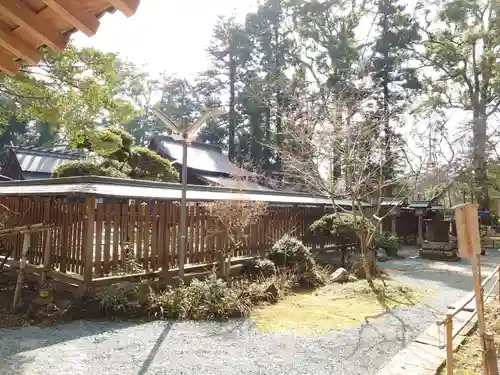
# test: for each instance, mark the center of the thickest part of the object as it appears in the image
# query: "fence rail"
(451, 313)
(92, 240)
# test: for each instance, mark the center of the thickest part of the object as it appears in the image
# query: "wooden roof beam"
(127, 7)
(25, 17)
(75, 14)
(8, 65)
(18, 47)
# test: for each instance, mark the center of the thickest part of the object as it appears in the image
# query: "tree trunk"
(480, 166)
(232, 109)
(388, 162)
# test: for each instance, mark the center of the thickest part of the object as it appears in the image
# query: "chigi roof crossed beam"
(27, 25)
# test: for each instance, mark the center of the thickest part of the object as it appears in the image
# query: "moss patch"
(333, 307)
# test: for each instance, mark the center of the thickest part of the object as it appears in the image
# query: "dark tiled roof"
(201, 157)
(38, 160)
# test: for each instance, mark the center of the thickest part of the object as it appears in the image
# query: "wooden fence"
(94, 239)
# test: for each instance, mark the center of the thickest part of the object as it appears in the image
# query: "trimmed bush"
(259, 267)
(387, 241)
(79, 168)
(290, 252)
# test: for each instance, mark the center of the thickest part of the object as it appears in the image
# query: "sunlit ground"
(333, 307)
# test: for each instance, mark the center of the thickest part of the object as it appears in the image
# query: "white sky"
(165, 35)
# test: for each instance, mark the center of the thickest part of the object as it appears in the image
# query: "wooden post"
(393, 224)
(47, 256)
(448, 331)
(420, 239)
(88, 242)
(498, 282)
(469, 246)
(491, 354)
(22, 269)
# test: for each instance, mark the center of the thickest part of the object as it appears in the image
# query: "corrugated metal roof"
(115, 187)
(390, 201)
(234, 183)
(39, 161)
(202, 157)
(419, 204)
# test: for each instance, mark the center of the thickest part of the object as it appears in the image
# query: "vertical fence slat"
(174, 227)
(163, 237)
(154, 237)
(116, 233)
(146, 236)
(124, 233)
(132, 229)
(107, 239)
(140, 229)
(98, 239)
(88, 241)
(190, 234)
(73, 236)
(79, 240)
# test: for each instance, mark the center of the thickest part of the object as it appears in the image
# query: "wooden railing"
(448, 320)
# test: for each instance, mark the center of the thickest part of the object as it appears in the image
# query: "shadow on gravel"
(25, 339)
(152, 354)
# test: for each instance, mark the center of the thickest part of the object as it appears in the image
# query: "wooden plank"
(72, 234)
(203, 227)
(88, 241)
(7, 63)
(132, 230)
(98, 240)
(75, 14)
(174, 227)
(124, 233)
(79, 239)
(107, 239)
(140, 231)
(127, 7)
(18, 47)
(57, 234)
(146, 236)
(154, 236)
(190, 233)
(197, 224)
(25, 17)
(163, 235)
(116, 232)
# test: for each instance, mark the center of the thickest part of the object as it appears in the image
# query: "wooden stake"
(47, 261)
(491, 354)
(88, 241)
(22, 268)
(448, 331)
(469, 245)
(498, 282)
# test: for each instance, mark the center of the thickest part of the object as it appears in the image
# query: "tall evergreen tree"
(394, 81)
(230, 50)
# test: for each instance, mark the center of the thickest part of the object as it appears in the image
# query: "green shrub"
(78, 168)
(208, 299)
(291, 252)
(387, 241)
(119, 298)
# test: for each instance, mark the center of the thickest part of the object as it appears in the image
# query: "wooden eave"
(27, 25)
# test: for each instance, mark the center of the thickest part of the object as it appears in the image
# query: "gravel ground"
(93, 348)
